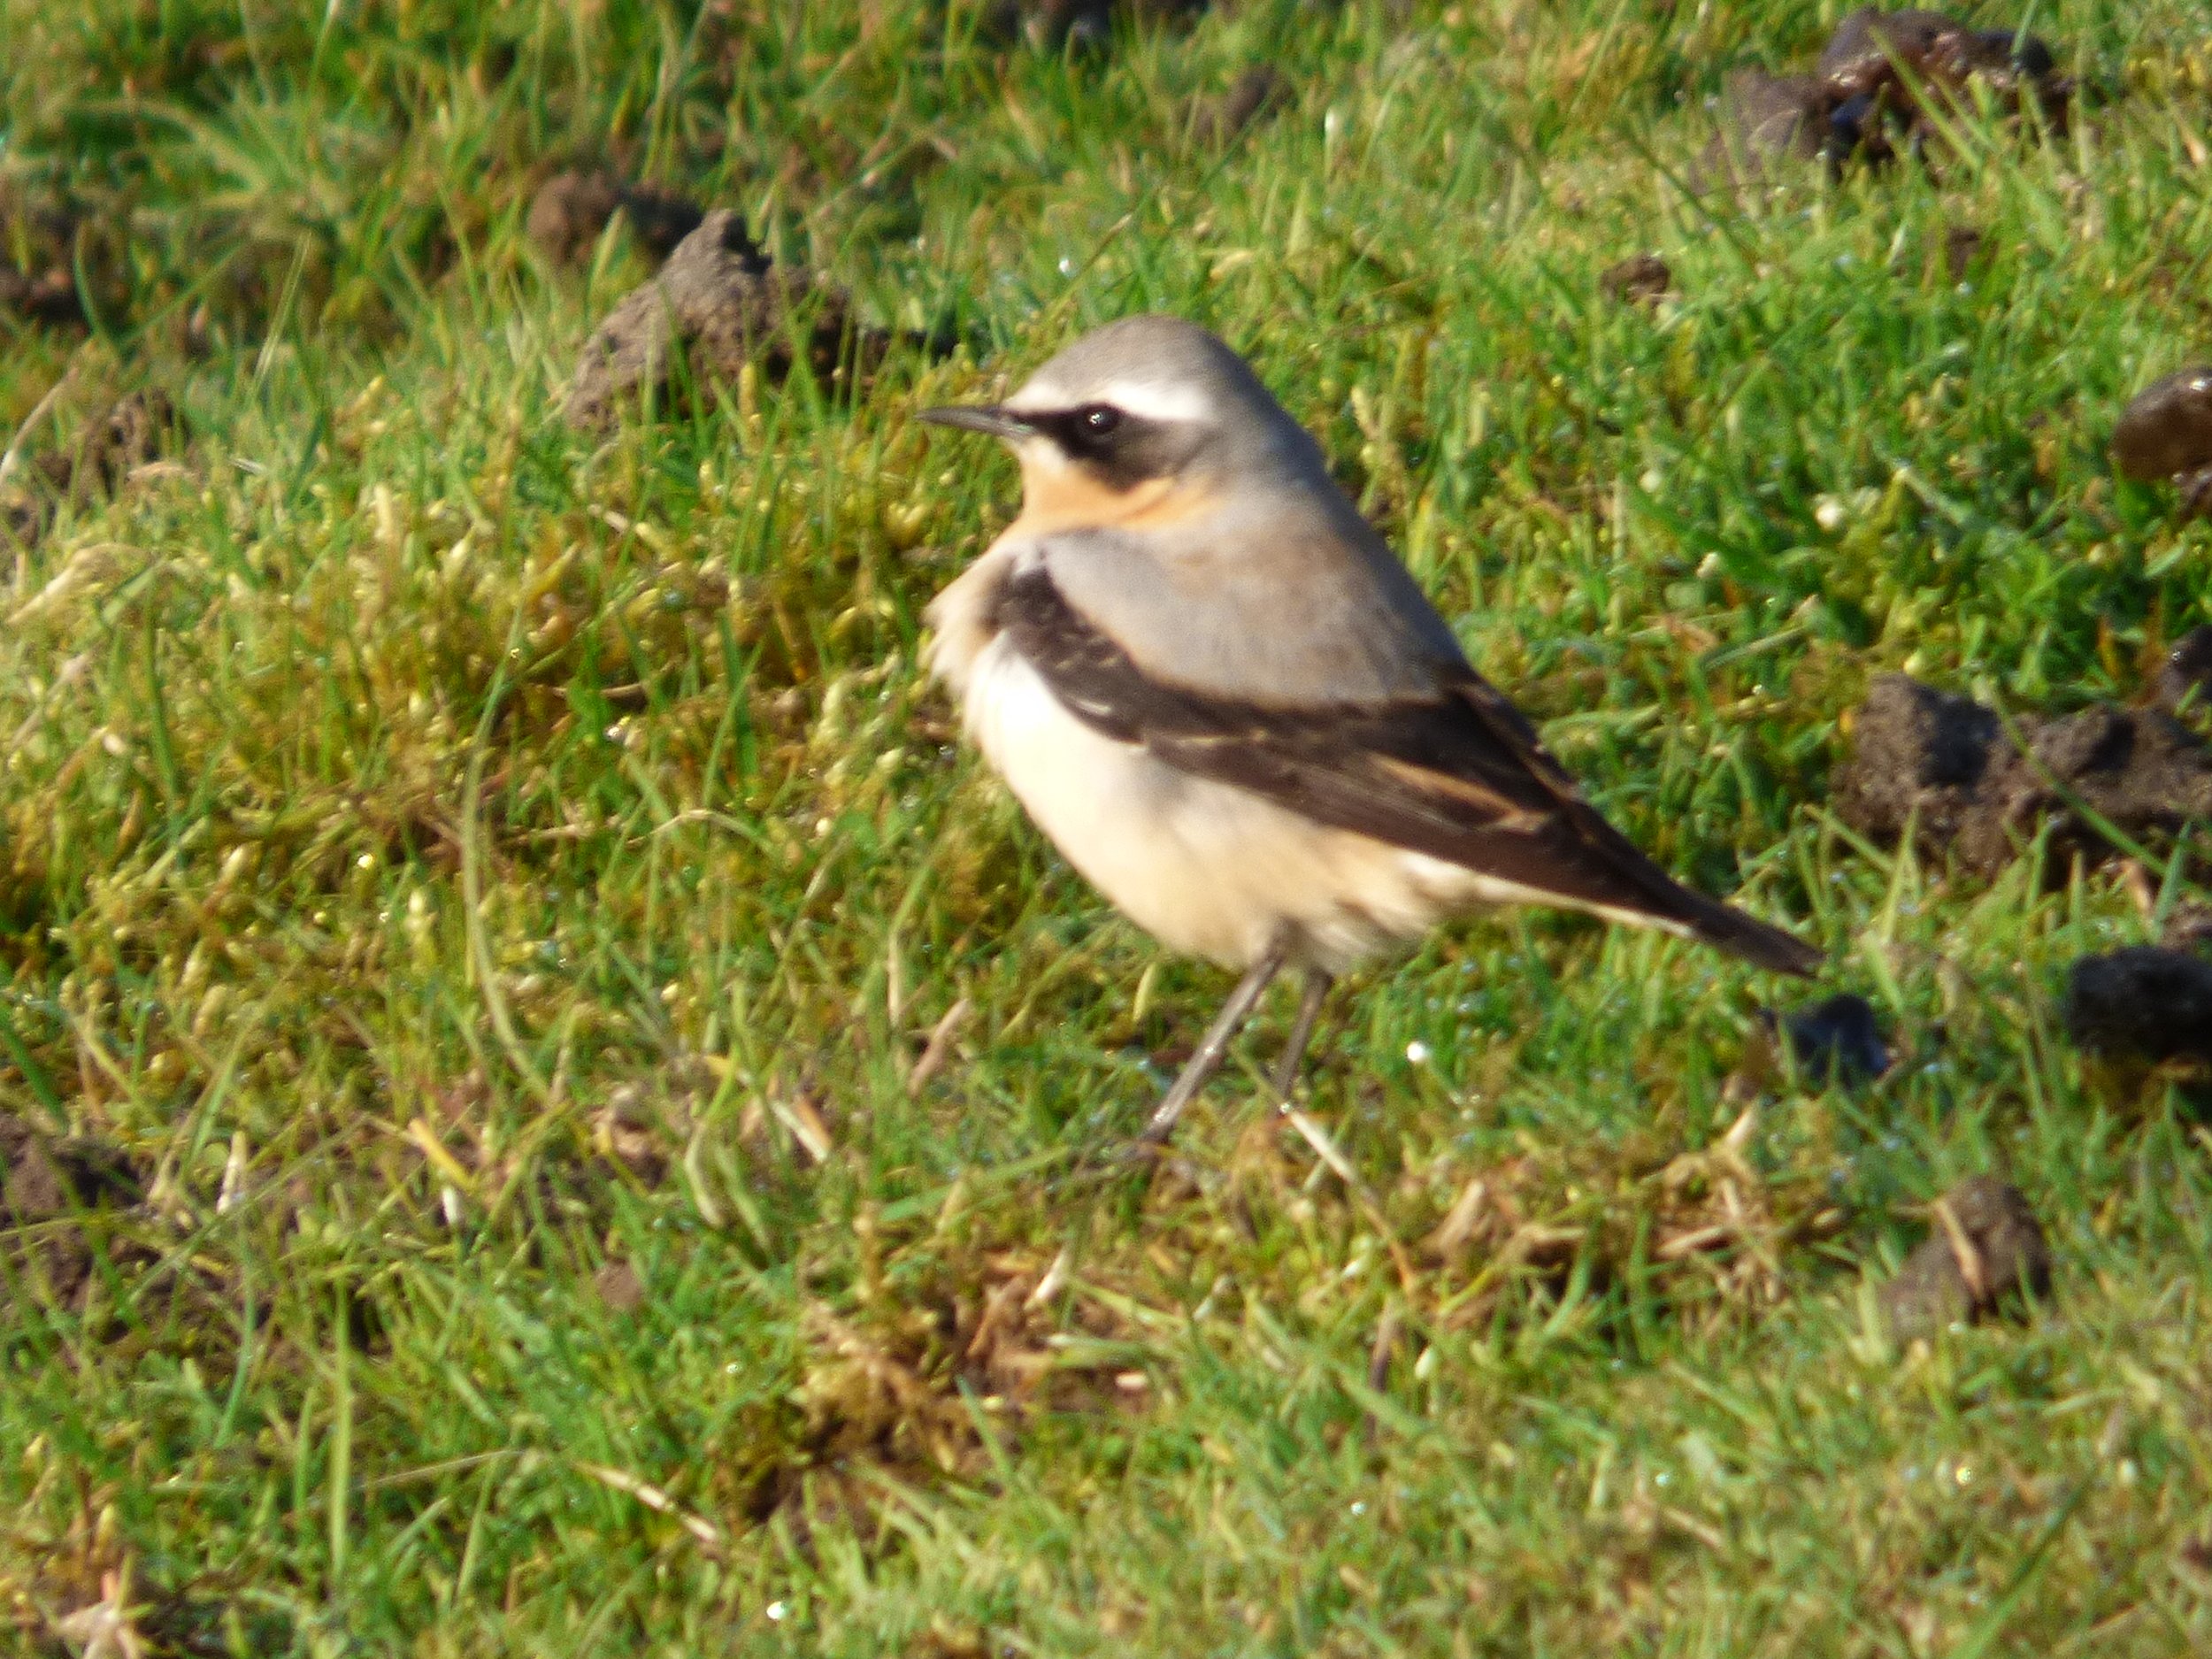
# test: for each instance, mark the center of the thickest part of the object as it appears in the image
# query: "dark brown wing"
(1459, 775)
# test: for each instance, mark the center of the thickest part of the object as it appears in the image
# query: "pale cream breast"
(1206, 868)
(960, 620)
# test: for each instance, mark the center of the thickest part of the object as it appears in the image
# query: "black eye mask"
(1119, 448)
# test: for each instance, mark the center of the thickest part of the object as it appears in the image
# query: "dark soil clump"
(1916, 750)
(2165, 434)
(41, 297)
(2185, 680)
(1052, 25)
(1987, 1255)
(1882, 86)
(2189, 926)
(718, 304)
(1944, 766)
(572, 210)
(2147, 1003)
(1259, 91)
(1837, 1038)
(1766, 121)
(2139, 770)
(46, 1182)
(1089, 24)
(1643, 280)
(1893, 77)
(619, 1288)
(1905, 65)
(131, 432)
(38, 246)
(127, 434)
(1963, 248)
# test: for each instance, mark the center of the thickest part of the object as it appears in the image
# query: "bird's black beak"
(988, 418)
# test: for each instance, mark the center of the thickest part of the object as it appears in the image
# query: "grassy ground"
(488, 892)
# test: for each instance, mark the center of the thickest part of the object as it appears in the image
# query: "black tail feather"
(1757, 942)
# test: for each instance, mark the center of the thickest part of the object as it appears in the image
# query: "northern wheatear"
(1218, 692)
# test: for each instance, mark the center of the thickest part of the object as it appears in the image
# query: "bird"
(1216, 689)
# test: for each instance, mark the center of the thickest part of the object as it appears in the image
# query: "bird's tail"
(1757, 942)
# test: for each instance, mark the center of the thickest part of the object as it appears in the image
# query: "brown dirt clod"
(1963, 248)
(1052, 25)
(44, 1180)
(2165, 433)
(2185, 678)
(1055, 25)
(720, 300)
(1765, 120)
(1259, 91)
(1944, 766)
(1984, 1254)
(619, 1288)
(1879, 86)
(2188, 927)
(1915, 749)
(1644, 279)
(572, 209)
(41, 297)
(38, 244)
(128, 434)
(2145, 1003)
(1837, 1038)
(1906, 64)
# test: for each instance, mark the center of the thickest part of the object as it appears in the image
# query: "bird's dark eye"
(1098, 434)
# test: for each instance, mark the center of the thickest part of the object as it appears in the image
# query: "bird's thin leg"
(1203, 1063)
(1316, 992)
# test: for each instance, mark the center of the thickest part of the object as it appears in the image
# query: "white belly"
(1205, 867)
